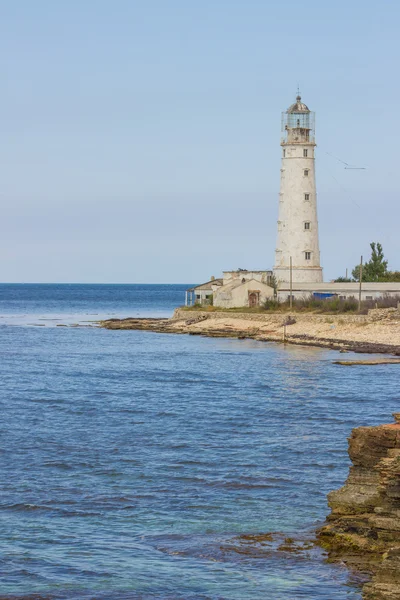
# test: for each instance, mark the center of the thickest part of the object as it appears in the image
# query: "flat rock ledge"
(363, 529)
(303, 330)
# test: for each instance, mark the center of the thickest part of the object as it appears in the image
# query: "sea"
(138, 465)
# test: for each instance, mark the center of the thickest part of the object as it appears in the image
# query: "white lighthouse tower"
(297, 221)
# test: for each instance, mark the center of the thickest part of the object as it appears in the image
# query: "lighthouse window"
(307, 225)
(284, 153)
(307, 255)
(306, 196)
(305, 172)
(305, 153)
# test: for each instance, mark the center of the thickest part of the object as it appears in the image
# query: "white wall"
(294, 211)
(347, 290)
(231, 296)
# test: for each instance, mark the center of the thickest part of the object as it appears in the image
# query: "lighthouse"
(297, 241)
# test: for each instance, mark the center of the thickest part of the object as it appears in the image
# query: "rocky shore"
(377, 332)
(363, 529)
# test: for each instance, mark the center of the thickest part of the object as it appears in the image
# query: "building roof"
(298, 107)
(236, 283)
(207, 286)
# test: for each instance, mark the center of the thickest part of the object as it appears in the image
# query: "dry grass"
(309, 304)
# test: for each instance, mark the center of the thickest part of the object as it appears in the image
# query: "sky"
(140, 139)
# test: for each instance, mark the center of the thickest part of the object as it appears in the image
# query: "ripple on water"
(135, 464)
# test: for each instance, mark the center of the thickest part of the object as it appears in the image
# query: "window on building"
(307, 255)
(305, 172)
(306, 196)
(284, 153)
(307, 225)
(305, 153)
(368, 297)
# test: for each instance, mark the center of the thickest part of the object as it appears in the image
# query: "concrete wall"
(343, 290)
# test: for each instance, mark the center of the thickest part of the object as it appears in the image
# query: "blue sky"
(139, 140)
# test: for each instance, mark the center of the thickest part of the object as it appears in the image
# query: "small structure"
(243, 292)
(236, 288)
(369, 290)
(203, 293)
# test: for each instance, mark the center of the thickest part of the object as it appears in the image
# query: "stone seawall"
(363, 529)
(271, 317)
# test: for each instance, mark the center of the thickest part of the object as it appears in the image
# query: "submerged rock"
(368, 361)
(363, 528)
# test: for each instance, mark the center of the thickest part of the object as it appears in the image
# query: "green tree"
(392, 276)
(376, 268)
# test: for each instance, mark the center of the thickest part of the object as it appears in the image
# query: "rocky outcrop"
(382, 314)
(158, 325)
(339, 332)
(363, 528)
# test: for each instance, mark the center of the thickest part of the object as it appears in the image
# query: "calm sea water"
(132, 461)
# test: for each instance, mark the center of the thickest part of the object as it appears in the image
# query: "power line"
(347, 166)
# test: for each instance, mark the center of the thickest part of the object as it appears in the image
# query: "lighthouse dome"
(298, 106)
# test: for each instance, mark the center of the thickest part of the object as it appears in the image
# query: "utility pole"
(291, 286)
(359, 293)
(346, 273)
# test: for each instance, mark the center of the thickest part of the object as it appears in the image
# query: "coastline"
(378, 332)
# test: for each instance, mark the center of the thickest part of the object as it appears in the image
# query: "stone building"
(244, 288)
(204, 293)
(236, 288)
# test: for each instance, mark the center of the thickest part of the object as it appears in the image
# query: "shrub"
(343, 280)
(271, 304)
(349, 305)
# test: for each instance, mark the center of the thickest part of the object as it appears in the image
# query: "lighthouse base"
(299, 274)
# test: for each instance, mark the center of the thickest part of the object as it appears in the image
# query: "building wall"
(231, 296)
(202, 296)
(369, 291)
(294, 240)
(262, 276)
